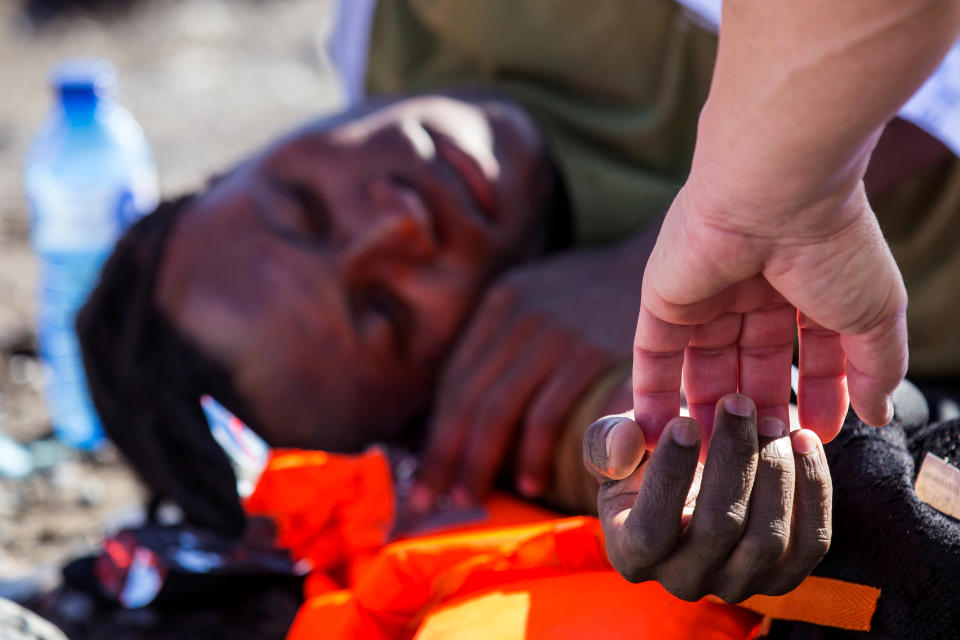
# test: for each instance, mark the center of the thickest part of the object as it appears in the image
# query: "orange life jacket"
(523, 572)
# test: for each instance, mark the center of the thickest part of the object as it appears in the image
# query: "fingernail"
(421, 499)
(608, 426)
(685, 433)
(889, 413)
(770, 427)
(528, 486)
(804, 441)
(738, 405)
(461, 497)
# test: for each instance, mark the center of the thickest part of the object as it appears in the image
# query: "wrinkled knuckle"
(776, 495)
(779, 460)
(814, 549)
(764, 549)
(665, 479)
(723, 525)
(815, 490)
(743, 443)
(807, 554)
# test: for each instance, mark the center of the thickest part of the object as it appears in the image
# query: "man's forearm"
(800, 94)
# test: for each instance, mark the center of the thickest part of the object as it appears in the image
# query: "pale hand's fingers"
(822, 398)
(850, 283)
(642, 514)
(876, 365)
(765, 349)
(546, 416)
(658, 349)
(875, 341)
(710, 369)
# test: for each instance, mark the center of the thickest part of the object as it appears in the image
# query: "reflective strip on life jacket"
(823, 601)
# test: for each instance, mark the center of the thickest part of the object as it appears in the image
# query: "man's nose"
(396, 226)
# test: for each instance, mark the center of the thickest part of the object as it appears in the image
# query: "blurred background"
(209, 81)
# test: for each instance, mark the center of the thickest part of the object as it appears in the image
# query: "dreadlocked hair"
(146, 381)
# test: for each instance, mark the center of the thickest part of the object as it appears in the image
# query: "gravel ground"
(209, 81)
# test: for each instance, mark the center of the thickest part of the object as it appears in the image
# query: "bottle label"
(73, 222)
(91, 219)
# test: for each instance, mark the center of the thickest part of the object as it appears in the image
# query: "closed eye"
(297, 213)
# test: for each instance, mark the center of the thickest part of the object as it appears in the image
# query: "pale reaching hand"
(722, 301)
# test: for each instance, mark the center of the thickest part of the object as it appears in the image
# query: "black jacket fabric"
(883, 535)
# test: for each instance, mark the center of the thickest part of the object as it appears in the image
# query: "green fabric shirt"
(616, 87)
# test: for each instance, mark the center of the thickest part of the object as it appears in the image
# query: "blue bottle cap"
(97, 76)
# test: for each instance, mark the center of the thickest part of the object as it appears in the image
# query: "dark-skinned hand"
(756, 520)
(539, 338)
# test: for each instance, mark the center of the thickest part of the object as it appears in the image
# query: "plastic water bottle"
(89, 174)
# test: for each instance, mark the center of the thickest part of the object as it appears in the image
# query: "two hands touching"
(722, 320)
(760, 519)
(771, 235)
(754, 518)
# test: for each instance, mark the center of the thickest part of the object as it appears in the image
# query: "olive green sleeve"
(615, 86)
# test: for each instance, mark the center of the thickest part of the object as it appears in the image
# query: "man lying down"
(320, 288)
(411, 261)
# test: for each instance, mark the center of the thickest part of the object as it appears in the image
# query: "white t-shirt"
(933, 108)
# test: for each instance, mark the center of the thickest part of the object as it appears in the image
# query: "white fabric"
(708, 12)
(933, 107)
(349, 46)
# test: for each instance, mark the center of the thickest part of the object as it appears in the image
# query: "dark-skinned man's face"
(330, 273)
